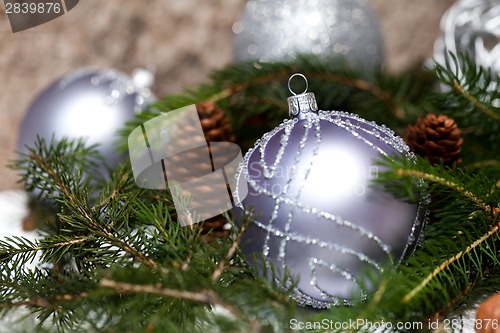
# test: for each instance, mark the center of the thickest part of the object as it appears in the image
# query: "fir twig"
(362, 85)
(470, 100)
(222, 264)
(353, 82)
(439, 180)
(408, 297)
(453, 302)
(458, 88)
(238, 87)
(484, 163)
(205, 296)
(40, 302)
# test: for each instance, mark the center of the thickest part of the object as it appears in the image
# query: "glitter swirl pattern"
(308, 216)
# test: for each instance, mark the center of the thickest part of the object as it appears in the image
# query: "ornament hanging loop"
(302, 104)
(290, 80)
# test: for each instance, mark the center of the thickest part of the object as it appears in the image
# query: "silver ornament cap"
(301, 104)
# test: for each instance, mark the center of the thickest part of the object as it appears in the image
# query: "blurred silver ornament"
(92, 104)
(314, 208)
(473, 27)
(278, 30)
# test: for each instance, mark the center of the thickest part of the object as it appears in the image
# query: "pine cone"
(214, 122)
(217, 128)
(488, 315)
(216, 226)
(436, 137)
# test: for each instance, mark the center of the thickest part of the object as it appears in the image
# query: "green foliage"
(254, 94)
(473, 99)
(115, 260)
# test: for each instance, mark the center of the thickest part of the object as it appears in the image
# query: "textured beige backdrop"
(182, 39)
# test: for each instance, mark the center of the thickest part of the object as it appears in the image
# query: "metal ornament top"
(300, 105)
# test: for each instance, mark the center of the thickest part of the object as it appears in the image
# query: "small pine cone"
(216, 226)
(193, 162)
(217, 128)
(214, 122)
(437, 138)
(488, 315)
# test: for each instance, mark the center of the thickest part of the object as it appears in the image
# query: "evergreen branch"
(161, 228)
(452, 303)
(477, 104)
(40, 302)
(45, 166)
(466, 201)
(123, 179)
(55, 170)
(485, 163)
(205, 296)
(362, 85)
(130, 249)
(373, 304)
(280, 104)
(471, 101)
(64, 244)
(408, 297)
(232, 250)
(103, 231)
(239, 87)
(243, 89)
(22, 245)
(439, 180)
(353, 82)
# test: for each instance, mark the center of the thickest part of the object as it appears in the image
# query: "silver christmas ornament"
(90, 104)
(473, 27)
(278, 30)
(314, 208)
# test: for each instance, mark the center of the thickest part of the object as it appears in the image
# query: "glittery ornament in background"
(473, 27)
(277, 30)
(90, 104)
(313, 207)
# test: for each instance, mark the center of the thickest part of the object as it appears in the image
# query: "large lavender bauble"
(315, 209)
(91, 104)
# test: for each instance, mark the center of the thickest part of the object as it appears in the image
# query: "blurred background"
(181, 41)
